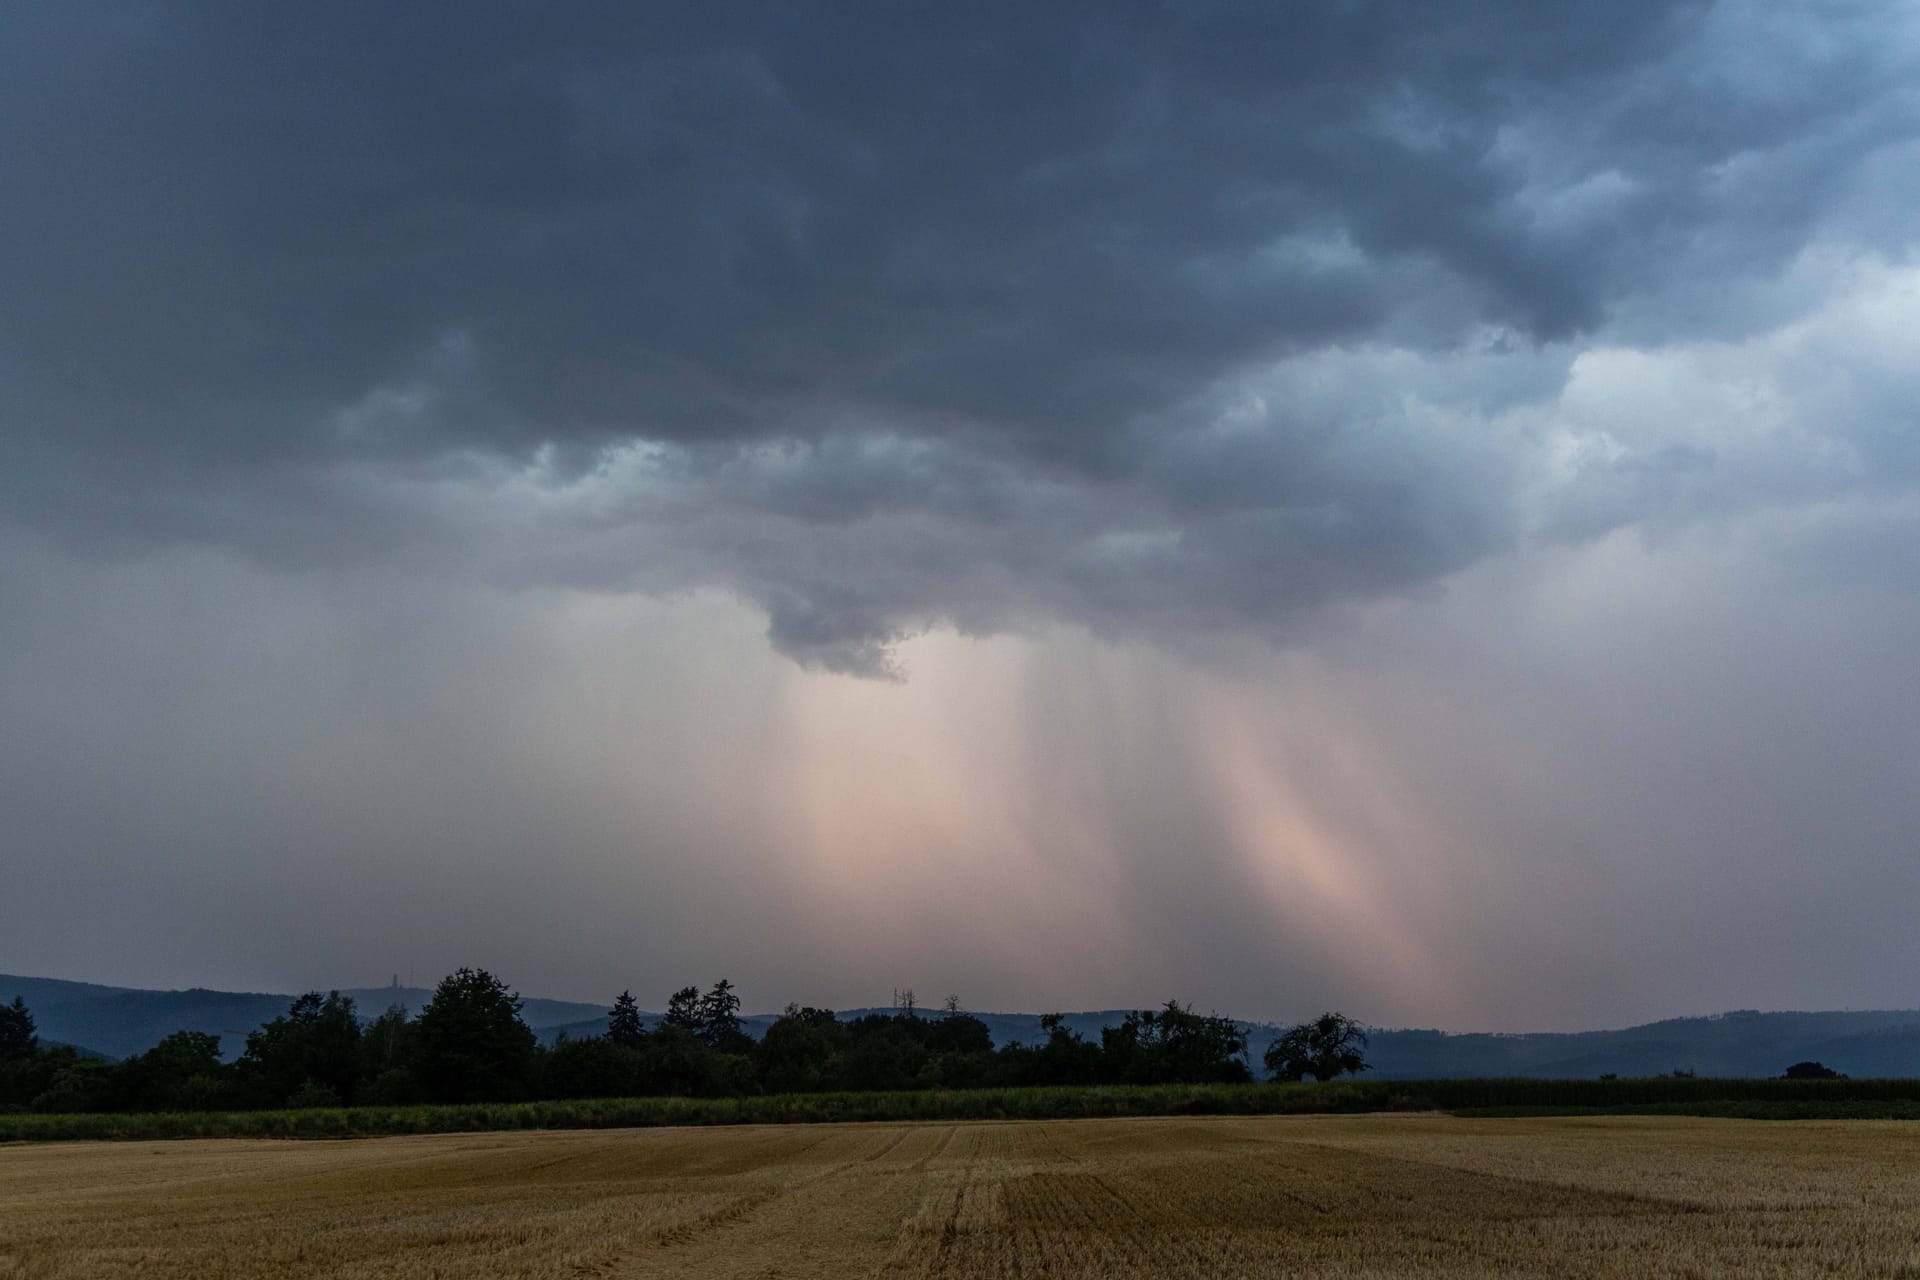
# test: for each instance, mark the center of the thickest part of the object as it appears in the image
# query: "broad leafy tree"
(1175, 1044)
(1064, 1057)
(181, 1073)
(469, 1044)
(312, 1052)
(959, 1033)
(1331, 1045)
(801, 1052)
(386, 1071)
(596, 1067)
(1812, 1071)
(675, 1062)
(885, 1052)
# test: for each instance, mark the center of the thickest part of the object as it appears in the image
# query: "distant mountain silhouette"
(119, 1021)
(1742, 1044)
(539, 1013)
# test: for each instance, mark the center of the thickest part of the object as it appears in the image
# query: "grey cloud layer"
(1163, 319)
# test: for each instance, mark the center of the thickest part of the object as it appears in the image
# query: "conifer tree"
(623, 1024)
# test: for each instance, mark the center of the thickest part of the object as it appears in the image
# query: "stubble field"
(1380, 1195)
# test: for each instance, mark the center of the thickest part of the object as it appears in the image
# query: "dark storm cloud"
(412, 416)
(921, 313)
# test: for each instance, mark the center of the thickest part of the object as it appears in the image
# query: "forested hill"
(1860, 1044)
(120, 1021)
(1746, 1043)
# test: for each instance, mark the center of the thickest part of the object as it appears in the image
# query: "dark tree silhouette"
(1811, 1071)
(469, 1044)
(683, 1010)
(1064, 1057)
(959, 1033)
(596, 1067)
(1173, 1043)
(18, 1038)
(312, 1051)
(386, 1055)
(1329, 1046)
(801, 1051)
(181, 1073)
(623, 1024)
(719, 1026)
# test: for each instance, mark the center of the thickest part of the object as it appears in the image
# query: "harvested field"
(1241, 1196)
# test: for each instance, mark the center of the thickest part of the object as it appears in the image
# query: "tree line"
(470, 1044)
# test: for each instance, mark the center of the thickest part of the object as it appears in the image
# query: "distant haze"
(1399, 507)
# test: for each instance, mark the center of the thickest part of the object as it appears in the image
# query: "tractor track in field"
(701, 1230)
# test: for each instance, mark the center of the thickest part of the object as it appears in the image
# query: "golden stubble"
(1196, 1197)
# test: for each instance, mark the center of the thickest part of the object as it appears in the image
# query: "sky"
(1405, 508)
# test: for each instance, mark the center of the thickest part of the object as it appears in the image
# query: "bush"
(81, 1087)
(312, 1094)
(393, 1087)
(1811, 1071)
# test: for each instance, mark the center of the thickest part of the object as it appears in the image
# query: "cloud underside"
(1175, 324)
(1412, 508)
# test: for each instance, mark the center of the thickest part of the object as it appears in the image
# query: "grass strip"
(1742, 1099)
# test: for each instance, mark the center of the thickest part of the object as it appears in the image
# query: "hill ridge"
(119, 1021)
